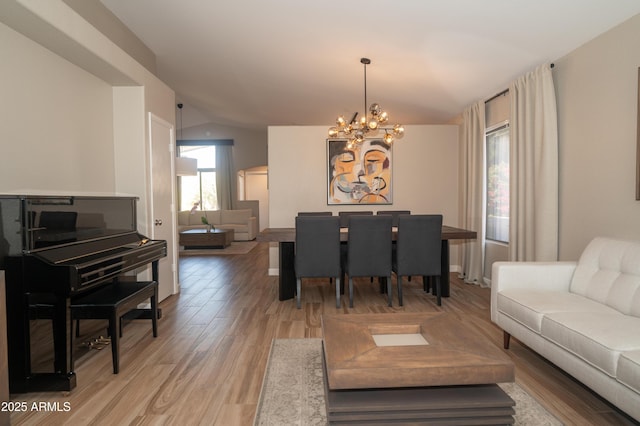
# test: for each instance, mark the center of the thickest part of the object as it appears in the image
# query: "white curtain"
(472, 188)
(224, 178)
(533, 222)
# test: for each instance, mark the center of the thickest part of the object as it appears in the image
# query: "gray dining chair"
(344, 223)
(418, 250)
(321, 214)
(369, 250)
(346, 215)
(394, 214)
(317, 251)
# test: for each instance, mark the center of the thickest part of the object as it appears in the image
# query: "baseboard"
(274, 272)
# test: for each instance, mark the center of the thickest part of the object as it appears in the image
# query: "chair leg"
(338, 292)
(350, 292)
(506, 339)
(154, 312)
(438, 291)
(298, 288)
(71, 331)
(400, 290)
(115, 341)
(426, 283)
(389, 293)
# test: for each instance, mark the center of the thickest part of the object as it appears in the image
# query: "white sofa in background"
(583, 316)
(242, 221)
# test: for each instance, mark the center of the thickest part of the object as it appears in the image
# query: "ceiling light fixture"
(185, 166)
(371, 122)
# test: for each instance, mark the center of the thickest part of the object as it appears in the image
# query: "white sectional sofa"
(583, 316)
(242, 221)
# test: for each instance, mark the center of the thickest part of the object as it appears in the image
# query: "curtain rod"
(504, 92)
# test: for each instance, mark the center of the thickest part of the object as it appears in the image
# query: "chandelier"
(371, 123)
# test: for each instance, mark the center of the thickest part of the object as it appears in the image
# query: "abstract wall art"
(360, 174)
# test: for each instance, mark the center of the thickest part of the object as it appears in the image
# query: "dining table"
(286, 237)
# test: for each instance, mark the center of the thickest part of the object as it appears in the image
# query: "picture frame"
(359, 173)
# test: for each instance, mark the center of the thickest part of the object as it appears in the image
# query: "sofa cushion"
(528, 307)
(183, 228)
(195, 218)
(629, 369)
(240, 216)
(213, 217)
(183, 217)
(237, 228)
(609, 272)
(596, 338)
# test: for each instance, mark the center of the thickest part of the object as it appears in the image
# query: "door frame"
(172, 248)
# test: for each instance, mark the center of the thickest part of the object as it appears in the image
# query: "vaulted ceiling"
(252, 63)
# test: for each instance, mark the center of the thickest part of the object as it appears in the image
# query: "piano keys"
(52, 250)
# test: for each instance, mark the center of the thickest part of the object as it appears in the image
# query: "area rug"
(293, 391)
(236, 247)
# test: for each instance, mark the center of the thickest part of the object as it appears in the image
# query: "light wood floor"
(207, 364)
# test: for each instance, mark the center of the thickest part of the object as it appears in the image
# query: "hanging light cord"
(365, 62)
(180, 108)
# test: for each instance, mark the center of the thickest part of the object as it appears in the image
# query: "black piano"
(53, 249)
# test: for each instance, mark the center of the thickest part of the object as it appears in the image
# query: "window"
(497, 185)
(199, 189)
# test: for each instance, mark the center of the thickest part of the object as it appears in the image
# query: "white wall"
(256, 187)
(425, 174)
(130, 154)
(56, 121)
(597, 95)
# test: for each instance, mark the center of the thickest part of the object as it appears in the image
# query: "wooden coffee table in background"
(203, 239)
(424, 368)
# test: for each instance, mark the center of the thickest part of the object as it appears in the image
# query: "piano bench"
(111, 303)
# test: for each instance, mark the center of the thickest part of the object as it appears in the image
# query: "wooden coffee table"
(423, 368)
(204, 239)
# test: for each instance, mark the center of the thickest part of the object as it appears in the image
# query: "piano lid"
(31, 223)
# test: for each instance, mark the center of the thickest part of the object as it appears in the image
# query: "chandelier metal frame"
(371, 122)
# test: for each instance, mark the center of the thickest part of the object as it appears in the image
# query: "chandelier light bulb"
(370, 121)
